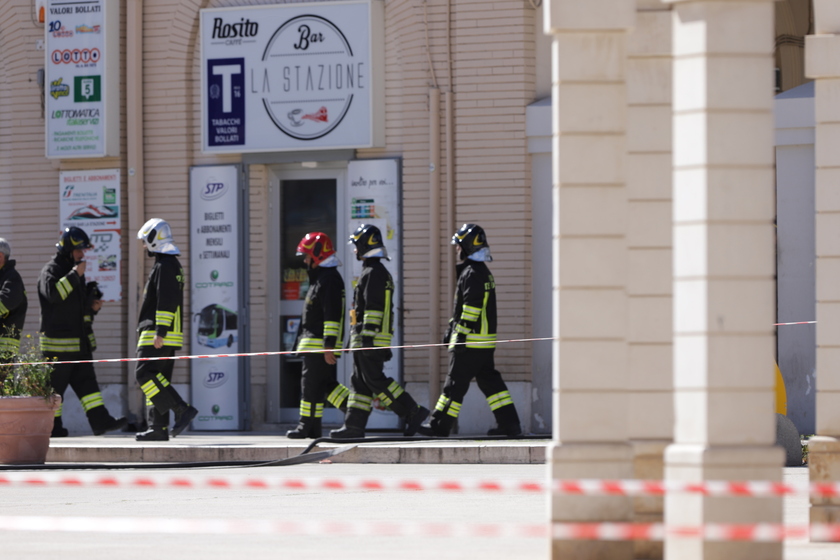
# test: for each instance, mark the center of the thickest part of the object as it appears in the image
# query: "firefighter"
(472, 341)
(371, 328)
(13, 302)
(68, 306)
(160, 333)
(321, 328)
(12, 305)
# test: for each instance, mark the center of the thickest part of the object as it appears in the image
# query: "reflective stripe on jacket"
(373, 306)
(474, 315)
(163, 303)
(322, 321)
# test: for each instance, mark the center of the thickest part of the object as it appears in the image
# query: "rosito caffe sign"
(292, 77)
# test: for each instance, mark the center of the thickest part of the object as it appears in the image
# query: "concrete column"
(822, 62)
(724, 268)
(649, 283)
(589, 59)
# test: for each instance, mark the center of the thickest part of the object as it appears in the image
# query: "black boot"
(184, 414)
(507, 422)
(308, 427)
(58, 428)
(354, 424)
(415, 419)
(100, 421)
(158, 423)
(439, 426)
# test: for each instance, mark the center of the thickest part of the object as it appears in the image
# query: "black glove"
(93, 290)
(461, 339)
(448, 334)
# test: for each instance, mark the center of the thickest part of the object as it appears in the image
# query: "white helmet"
(157, 236)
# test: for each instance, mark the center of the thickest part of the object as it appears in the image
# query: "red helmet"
(317, 244)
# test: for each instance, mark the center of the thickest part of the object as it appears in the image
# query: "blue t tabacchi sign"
(293, 77)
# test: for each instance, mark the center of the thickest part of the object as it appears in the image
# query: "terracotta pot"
(25, 427)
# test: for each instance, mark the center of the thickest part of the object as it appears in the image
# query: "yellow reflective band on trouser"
(150, 388)
(395, 391)
(445, 404)
(499, 400)
(59, 409)
(306, 409)
(92, 401)
(9, 345)
(362, 402)
(338, 395)
(64, 287)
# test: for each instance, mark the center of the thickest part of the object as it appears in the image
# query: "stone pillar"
(649, 283)
(724, 266)
(589, 58)
(822, 62)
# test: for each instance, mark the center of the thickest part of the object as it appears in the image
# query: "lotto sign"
(82, 117)
(292, 77)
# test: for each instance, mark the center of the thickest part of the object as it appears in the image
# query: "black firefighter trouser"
(154, 377)
(369, 381)
(463, 367)
(319, 380)
(82, 379)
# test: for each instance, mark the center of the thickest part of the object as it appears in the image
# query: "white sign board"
(303, 76)
(82, 78)
(90, 200)
(214, 281)
(373, 189)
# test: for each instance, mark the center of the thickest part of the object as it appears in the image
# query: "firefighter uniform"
(160, 315)
(372, 326)
(321, 326)
(13, 306)
(472, 343)
(67, 327)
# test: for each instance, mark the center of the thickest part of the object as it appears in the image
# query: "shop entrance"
(302, 201)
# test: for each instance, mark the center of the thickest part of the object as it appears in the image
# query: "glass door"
(307, 200)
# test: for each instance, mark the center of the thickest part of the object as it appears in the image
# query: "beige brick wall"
(493, 69)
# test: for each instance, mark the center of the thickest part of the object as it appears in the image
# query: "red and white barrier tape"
(759, 532)
(277, 353)
(797, 323)
(587, 487)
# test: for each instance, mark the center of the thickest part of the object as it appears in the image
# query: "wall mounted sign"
(304, 76)
(215, 291)
(81, 83)
(90, 200)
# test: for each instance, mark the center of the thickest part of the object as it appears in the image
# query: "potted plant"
(27, 405)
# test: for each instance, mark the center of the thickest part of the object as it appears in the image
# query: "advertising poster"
(80, 104)
(90, 200)
(373, 189)
(214, 281)
(301, 76)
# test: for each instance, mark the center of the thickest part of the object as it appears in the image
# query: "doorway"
(302, 200)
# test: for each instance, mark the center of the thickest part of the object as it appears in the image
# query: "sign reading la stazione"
(292, 77)
(82, 78)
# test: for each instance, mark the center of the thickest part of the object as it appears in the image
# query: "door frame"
(276, 174)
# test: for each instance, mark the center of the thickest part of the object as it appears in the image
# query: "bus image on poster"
(217, 326)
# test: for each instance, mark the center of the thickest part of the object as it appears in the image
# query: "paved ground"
(455, 460)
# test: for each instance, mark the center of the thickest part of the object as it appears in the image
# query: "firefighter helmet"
(368, 241)
(157, 237)
(318, 245)
(73, 238)
(473, 242)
